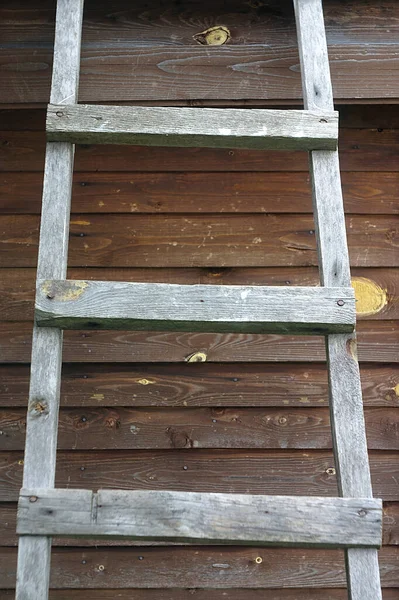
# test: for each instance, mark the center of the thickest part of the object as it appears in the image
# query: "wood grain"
(8, 514)
(279, 472)
(193, 127)
(190, 71)
(378, 345)
(202, 518)
(75, 304)
(199, 241)
(371, 150)
(209, 385)
(125, 429)
(379, 294)
(183, 567)
(154, 193)
(201, 594)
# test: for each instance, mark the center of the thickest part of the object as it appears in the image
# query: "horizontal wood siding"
(252, 418)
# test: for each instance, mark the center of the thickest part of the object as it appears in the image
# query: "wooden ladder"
(352, 521)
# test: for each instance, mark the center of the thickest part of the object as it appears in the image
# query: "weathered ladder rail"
(352, 522)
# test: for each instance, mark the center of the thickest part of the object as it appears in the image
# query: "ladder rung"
(202, 517)
(201, 127)
(213, 308)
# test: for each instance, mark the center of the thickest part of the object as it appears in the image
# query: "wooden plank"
(202, 518)
(208, 470)
(77, 304)
(8, 520)
(121, 428)
(376, 290)
(363, 42)
(353, 116)
(201, 594)
(376, 345)
(198, 567)
(191, 71)
(162, 22)
(346, 408)
(192, 127)
(370, 150)
(265, 240)
(44, 392)
(208, 385)
(154, 193)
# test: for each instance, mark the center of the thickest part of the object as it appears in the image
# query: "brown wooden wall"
(254, 416)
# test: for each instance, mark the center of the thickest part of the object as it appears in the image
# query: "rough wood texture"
(103, 428)
(309, 473)
(346, 408)
(183, 241)
(207, 594)
(167, 307)
(215, 386)
(202, 518)
(376, 345)
(190, 192)
(44, 392)
(361, 149)
(193, 127)
(198, 567)
(376, 290)
(149, 51)
(8, 524)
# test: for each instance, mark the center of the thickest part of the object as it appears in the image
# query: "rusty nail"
(32, 498)
(340, 302)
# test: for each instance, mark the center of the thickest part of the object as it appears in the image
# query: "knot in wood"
(214, 36)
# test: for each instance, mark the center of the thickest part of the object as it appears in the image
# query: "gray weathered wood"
(162, 306)
(346, 407)
(42, 418)
(202, 127)
(204, 518)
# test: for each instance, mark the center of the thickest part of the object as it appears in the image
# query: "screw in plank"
(32, 498)
(330, 471)
(50, 295)
(259, 560)
(59, 113)
(340, 303)
(362, 512)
